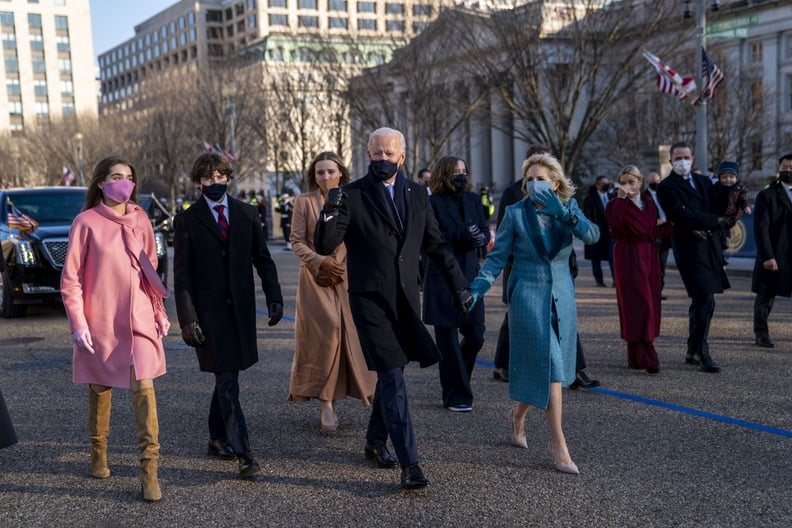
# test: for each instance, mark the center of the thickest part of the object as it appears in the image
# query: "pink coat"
(103, 290)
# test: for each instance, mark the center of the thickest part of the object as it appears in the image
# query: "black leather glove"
(335, 197)
(275, 312)
(727, 222)
(477, 238)
(463, 300)
(192, 334)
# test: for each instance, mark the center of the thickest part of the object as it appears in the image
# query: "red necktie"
(221, 220)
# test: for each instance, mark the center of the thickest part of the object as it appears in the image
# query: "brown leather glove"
(323, 279)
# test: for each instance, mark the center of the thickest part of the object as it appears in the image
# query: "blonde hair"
(566, 189)
(632, 170)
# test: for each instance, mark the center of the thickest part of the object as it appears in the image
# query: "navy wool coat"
(773, 235)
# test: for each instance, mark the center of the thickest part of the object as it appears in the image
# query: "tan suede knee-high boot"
(145, 405)
(98, 429)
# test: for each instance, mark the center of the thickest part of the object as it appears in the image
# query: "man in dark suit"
(215, 242)
(686, 198)
(385, 220)
(772, 274)
(664, 244)
(594, 209)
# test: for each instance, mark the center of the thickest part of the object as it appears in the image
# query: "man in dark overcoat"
(385, 220)
(594, 209)
(772, 226)
(217, 243)
(686, 198)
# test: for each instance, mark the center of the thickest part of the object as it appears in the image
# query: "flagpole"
(701, 109)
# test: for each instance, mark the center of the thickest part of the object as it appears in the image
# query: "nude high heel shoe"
(328, 420)
(517, 440)
(570, 468)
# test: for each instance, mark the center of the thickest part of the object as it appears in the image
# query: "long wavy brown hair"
(100, 172)
(442, 178)
(310, 176)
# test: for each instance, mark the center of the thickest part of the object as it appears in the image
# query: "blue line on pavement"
(680, 408)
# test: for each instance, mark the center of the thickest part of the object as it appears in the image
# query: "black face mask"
(785, 176)
(382, 170)
(215, 191)
(653, 186)
(460, 182)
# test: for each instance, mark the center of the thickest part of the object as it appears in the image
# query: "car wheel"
(7, 307)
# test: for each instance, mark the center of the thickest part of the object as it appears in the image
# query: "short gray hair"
(385, 131)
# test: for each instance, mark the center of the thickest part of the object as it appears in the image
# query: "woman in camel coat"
(328, 360)
(113, 298)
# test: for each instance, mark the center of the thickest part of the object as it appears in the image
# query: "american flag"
(230, 156)
(68, 177)
(711, 77)
(668, 80)
(20, 220)
(208, 147)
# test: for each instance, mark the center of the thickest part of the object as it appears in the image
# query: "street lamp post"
(701, 109)
(229, 93)
(16, 156)
(78, 141)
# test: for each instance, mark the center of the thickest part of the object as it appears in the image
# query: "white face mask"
(682, 167)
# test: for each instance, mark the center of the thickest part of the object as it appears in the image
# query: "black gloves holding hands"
(477, 237)
(463, 301)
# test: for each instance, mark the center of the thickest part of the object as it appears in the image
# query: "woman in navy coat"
(538, 231)
(461, 219)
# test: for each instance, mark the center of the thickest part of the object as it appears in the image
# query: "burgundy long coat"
(637, 266)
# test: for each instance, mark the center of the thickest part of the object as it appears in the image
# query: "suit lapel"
(532, 225)
(373, 199)
(206, 217)
(783, 196)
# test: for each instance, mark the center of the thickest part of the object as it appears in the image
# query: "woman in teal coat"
(538, 232)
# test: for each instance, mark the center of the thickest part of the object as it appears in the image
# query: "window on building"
(183, 39)
(394, 9)
(251, 21)
(229, 13)
(37, 42)
(182, 23)
(230, 31)
(157, 50)
(61, 22)
(40, 87)
(240, 27)
(15, 108)
(165, 47)
(308, 21)
(155, 37)
(278, 20)
(215, 50)
(64, 65)
(192, 35)
(422, 10)
(63, 43)
(164, 32)
(33, 1)
(394, 25)
(757, 93)
(6, 19)
(756, 52)
(251, 4)
(214, 33)
(788, 47)
(173, 43)
(42, 109)
(239, 9)
(148, 39)
(67, 88)
(214, 15)
(306, 4)
(34, 20)
(277, 3)
(191, 18)
(13, 87)
(336, 5)
(9, 40)
(789, 94)
(420, 26)
(756, 153)
(68, 109)
(366, 7)
(172, 27)
(39, 66)
(60, 2)
(367, 24)
(337, 22)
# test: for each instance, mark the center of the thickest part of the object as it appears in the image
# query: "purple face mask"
(120, 190)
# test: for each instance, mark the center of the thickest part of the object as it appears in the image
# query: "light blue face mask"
(534, 187)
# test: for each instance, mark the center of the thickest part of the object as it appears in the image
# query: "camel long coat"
(328, 360)
(103, 291)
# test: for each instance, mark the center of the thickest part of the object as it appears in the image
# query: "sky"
(113, 22)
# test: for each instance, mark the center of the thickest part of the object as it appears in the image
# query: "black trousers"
(456, 367)
(390, 416)
(7, 435)
(502, 349)
(226, 421)
(699, 319)
(762, 308)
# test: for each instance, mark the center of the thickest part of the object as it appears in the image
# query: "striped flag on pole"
(68, 177)
(208, 147)
(19, 220)
(711, 77)
(669, 81)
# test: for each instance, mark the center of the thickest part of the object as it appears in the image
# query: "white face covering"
(682, 167)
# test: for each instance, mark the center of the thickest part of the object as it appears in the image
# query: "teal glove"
(552, 205)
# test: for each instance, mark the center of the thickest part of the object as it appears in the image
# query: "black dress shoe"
(708, 365)
(764, 342)
(381, 455)
(582, 381)
(412, 478)
(247, 467)
(692, 360)
(654, 369)
(220, 450)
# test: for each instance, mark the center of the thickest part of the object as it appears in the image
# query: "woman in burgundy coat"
(634, 224)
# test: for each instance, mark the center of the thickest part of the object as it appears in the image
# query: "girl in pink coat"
(113, 298)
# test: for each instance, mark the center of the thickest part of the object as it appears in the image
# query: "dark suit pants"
(762, 308)
(226, 421)
(456, 367)
(596, 270)
(699, 319)
(502, 347)
(390, 415)
(580, 359)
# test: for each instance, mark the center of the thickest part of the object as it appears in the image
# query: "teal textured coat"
(540, 276)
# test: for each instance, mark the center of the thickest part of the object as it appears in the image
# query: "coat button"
(404, 285)
(401, 259)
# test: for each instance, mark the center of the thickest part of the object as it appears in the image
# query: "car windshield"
(49, 207)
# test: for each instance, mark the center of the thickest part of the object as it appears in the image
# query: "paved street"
(683, 448)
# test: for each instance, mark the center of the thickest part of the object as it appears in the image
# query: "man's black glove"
(463, 300)
(727, 222)
(477, 238)
(192, 334)
(275, 312)
(335, 197)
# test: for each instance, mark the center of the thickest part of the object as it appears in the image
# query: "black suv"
(32, 261)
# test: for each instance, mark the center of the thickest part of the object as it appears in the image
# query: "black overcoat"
(699, 261)
(438, 300)
(382, 264)
(773, 234)
(213, 279)
(595, 211)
